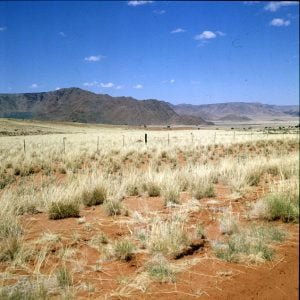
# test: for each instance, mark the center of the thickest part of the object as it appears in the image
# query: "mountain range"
(77, 105)
(237, 111)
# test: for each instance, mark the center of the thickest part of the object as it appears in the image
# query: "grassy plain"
(90, 211)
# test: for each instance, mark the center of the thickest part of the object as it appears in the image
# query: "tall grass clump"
(171, 194)
(25, 290)
(280, 204)
(152, 188)
(60, 210)
(202, 189)
(124, 250)
(113, 207)
(249, 245)
(11, 247)
(160, 270)
(168, 237)
(95, 196)
(228, 223)
(64, 277)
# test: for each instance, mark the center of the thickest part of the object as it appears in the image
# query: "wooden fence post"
(64, 144)
(146, 138)
(24, 146)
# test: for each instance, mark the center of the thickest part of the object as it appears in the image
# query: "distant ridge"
(236, 110)
(77, 105)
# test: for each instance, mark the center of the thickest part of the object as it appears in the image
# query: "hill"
(248, 110)
(77, 105)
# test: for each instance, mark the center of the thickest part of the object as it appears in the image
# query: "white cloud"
(280, 22)
(171, 81)
(138, 86)
(102, 85)
(94, 58)
(178, 30)
(137, 3)
(206, 35)
(275, 5)
(220, 33)
(159, 12)
(3, 28)
(34, 86)
(58, 88)
(93, 83)
(107, 85)
(62, 34)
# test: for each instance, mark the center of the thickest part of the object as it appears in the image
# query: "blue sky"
(181, 52)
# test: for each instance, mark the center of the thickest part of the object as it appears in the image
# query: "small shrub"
(94, 197)
(124, 250)
(60, 210)
(113, 207)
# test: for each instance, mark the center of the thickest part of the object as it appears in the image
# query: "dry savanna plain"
(93, 212)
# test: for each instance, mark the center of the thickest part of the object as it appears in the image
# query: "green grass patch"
(94, 197)
(60, 210)
(250, 245)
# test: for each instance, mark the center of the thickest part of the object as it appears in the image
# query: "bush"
(60, 210)
(124, 250)
(94, 197)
